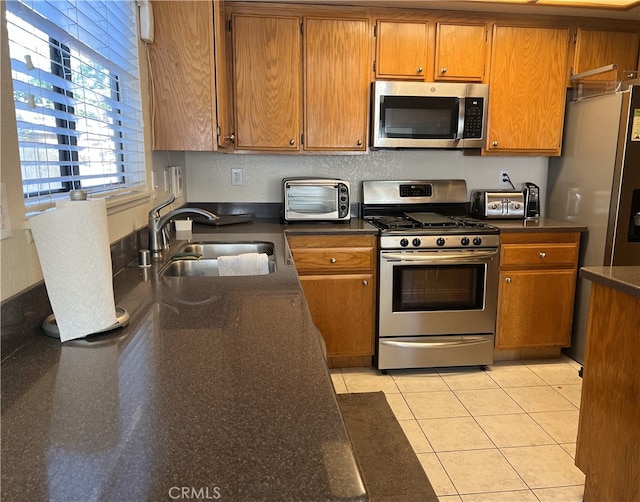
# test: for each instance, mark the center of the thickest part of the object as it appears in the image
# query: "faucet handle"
(163, 204)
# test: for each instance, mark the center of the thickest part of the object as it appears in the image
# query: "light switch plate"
(5, 220)
(177, 183)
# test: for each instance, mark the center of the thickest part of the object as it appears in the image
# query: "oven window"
(312, 199)
(419, 117)
(420, 288)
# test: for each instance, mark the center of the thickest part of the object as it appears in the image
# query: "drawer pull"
(508, 279)
(333, 260)
(542, 255)
(365, 283)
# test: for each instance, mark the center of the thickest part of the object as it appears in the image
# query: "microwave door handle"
(461, 113)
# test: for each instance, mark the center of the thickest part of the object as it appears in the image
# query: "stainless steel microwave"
(428, 115)
(316, 199)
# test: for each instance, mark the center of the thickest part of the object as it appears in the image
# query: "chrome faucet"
(157, 223)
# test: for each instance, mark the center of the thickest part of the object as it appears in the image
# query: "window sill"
(116, 202)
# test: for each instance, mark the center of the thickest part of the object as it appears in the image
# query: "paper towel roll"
(73, 246)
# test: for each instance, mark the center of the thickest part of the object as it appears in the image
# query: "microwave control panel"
(473, 111)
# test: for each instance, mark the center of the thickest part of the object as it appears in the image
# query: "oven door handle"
(468, 340)
(436, 256)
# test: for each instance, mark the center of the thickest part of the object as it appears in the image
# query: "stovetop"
(429, 222)
(424, 215)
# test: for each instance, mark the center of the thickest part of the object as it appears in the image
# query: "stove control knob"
(416, 242)
(477, 241)
(464, 241)
(404, 243)
(440, 241)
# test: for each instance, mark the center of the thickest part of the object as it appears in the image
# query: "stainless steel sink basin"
(207, 266)
(211, 250)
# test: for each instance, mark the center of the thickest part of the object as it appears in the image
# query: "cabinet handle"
(507, 280)
(231, 137)
(443, 70)
(365, 283)
(542, 255)
(419, 69)
(332, 260)
(494, 143)
(359, 142)
(292, 142)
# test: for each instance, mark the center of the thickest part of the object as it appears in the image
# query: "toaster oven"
(316, 199)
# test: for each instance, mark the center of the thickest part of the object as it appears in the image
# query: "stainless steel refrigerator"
(596, 182)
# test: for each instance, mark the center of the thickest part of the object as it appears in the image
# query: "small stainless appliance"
(428, 115)
(532, 200)
(438, 275)
(316, 199)
(498, 204)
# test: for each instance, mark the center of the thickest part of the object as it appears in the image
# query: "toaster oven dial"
(404, 242)
(416, 242)
(440, 241)
(477, 241)
(464, 241)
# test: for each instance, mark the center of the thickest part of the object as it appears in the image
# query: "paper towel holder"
(50, 327)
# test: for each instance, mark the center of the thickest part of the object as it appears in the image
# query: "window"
(77, 97)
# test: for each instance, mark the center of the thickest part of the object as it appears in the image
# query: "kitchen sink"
(183, 263)
(211, 250)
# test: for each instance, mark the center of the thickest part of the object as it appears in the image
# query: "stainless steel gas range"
(438, 275)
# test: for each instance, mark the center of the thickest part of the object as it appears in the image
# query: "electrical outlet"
(504, 178)
(236, 176)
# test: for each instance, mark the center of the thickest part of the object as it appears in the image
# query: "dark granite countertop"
(537, 225)
(625, 279)
(218, 386)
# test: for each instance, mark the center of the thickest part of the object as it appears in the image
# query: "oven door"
(452, 292)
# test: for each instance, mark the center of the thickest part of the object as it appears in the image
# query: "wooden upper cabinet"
(460, 52)
(527, 92)
(336, 83)
(224, 97)
(267, 86)
(401, 49)
(595, 48)
(182, 67)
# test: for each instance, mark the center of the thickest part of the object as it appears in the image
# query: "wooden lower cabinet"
(338, 277)
(536, 290)
(342, 309)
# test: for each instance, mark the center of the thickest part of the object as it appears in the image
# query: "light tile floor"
(506, 433)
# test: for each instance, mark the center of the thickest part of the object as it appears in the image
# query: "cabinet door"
(527, 92)
(267, 82)
(535, 309)
(600, 48)
(224, 92)
(182, 67)
(460, 52)
(401, 50)
(342, 307)
(336, 83)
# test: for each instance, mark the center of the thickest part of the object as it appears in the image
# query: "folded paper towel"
(244, 264)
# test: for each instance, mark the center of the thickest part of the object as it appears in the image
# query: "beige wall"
(20, 267)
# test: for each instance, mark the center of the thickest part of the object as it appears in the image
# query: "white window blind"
(77, 96)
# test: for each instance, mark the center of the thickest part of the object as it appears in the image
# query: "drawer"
(342, 259)
(539, 255)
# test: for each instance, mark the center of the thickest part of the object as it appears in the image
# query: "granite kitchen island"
(608, 446)
(218, 387)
